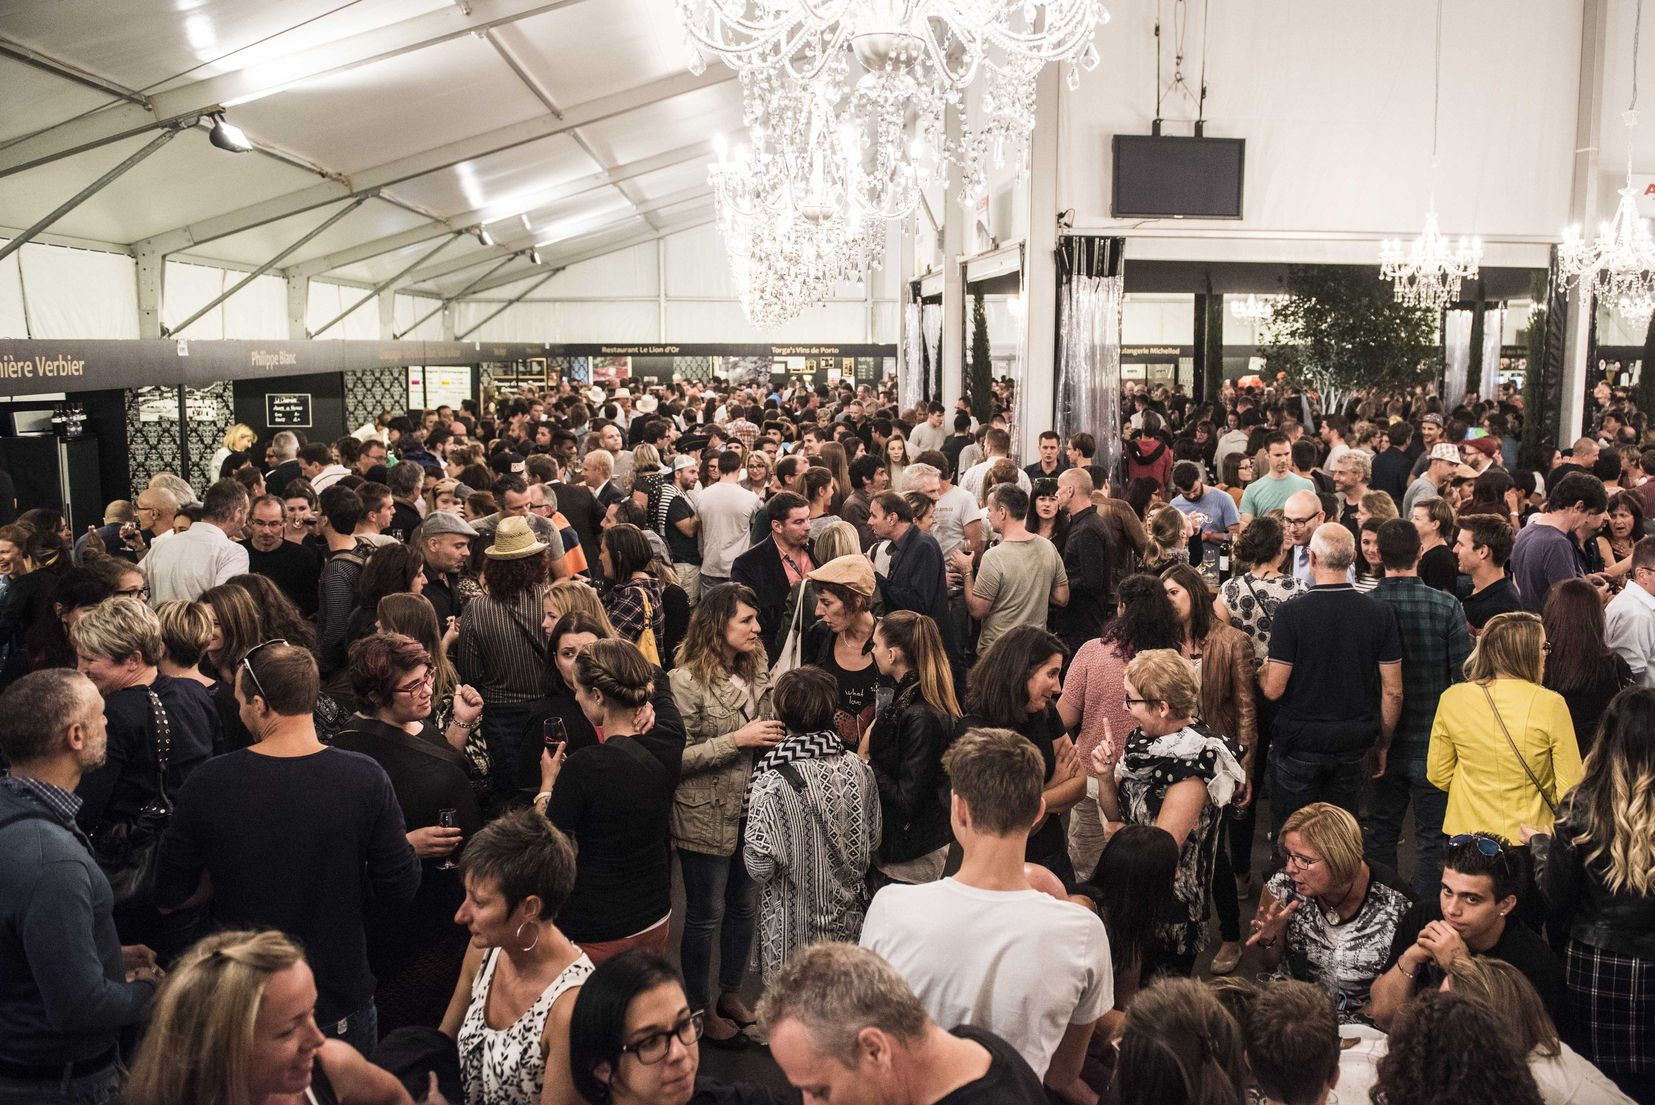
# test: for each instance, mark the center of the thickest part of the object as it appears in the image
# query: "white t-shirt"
(973, 479)
(1018, 963)
(956, 509)
(725, 510)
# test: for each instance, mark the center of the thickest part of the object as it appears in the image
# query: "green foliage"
(980, 385)
(1340, 328)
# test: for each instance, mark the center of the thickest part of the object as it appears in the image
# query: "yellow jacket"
(1488, 790)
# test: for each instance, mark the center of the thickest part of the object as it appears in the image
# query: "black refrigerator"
(59, 474)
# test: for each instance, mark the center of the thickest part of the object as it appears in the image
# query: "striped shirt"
(502, 649)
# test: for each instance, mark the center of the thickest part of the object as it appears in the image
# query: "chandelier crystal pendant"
(1617, 268)
(1429, 271)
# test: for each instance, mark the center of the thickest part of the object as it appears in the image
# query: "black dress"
(416, 951)
(1587, 703)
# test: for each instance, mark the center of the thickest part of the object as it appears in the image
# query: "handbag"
(646, 639)
(791, 654)
(127, 850)
(1550, 805)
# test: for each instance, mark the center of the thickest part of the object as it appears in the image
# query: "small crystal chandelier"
(1428, 272)
(1254, 308)
(1618, 268)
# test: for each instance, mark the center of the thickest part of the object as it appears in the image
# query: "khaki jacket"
(706, 811)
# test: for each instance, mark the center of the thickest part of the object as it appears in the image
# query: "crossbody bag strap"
(1550, 805)
(162, 726)
(796, 780)
(1247, 582)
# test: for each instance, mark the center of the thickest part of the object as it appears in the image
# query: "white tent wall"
(14, 322)
(407, 308)
(1334, 100)
(79, 293)
(327, 300)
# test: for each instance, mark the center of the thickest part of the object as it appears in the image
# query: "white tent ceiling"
(568, 125)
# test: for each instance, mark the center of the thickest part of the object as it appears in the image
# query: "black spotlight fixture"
(228, 136)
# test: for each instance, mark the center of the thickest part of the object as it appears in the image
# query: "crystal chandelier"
(1254, 308)
(787, 252)
(1618, 268)
(885, 72)
(1428, 272)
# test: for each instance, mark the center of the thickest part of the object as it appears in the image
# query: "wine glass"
(448, 819)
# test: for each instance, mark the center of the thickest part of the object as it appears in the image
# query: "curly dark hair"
(1449, 1049)
(1146, 619)
(508, 578)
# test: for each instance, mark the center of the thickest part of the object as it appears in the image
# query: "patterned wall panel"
(694, 368)
(152, 446)
(212, 409)
(372, 390)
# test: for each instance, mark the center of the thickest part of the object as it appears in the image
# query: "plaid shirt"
(56, 800)
(743, 430)
(1434, 647)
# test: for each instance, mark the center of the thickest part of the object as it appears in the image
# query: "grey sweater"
(63, 988)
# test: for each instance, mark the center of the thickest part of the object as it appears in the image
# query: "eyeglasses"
(1487, 845)
(1128, 701)
(247, 662)
(1303, 863)
(424, 681)
(133, 592)
(1299, 521)
(653, 1048)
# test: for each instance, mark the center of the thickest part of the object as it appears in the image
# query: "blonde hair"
(1162, 675)
(1333, 833)
(1509, 647)
(645, 459)
(1379, 504)
(571, 596)
(1165, 533)
(838, 538)
(200, 1040)
(116, 628)
(236, 433)
(1509, 993)
(186, 627)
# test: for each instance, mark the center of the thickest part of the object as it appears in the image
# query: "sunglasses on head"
(247, 662)
(1487, 845)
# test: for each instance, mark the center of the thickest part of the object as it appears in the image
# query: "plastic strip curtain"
(931, 326)
(1494, 328)
(1090, 297)
(912, 389)
(1456, 346)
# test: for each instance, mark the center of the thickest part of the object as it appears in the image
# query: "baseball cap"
(682, 463)
(507, 464)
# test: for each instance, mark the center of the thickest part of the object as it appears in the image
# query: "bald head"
(1300, 516)
(1332, 551)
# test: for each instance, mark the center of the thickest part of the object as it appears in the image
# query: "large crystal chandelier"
(885, 72)
(1618, 268)
(1428, 272)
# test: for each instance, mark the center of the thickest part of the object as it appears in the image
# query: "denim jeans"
(101, 1087)
(718, 895)
(360, 1029)
(1388, 799)
(1298, 778)
(502, 732)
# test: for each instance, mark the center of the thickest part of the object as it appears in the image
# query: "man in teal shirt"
(1272, 490)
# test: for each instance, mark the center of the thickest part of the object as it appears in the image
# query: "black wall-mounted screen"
(1159, 177)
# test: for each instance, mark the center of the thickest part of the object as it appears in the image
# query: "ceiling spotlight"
(228, 136)
(534, 256)
(484, 237)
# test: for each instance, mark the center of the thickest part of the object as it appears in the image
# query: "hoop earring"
(519, 936)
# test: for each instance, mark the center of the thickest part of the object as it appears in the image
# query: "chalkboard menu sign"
(287, 411)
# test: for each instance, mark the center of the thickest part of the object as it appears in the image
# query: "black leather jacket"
(1581, 902)
(909, 738)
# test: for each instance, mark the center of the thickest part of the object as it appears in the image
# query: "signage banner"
(30, 367)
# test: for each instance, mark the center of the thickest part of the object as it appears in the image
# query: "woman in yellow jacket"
(1491, 786)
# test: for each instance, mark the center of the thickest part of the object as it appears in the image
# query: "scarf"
(796, 748)
(1192, 752)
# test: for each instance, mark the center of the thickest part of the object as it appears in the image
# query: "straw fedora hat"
(514, 540)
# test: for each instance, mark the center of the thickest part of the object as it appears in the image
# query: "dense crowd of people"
(365, 771)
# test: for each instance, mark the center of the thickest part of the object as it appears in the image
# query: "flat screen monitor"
(1162, 177)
